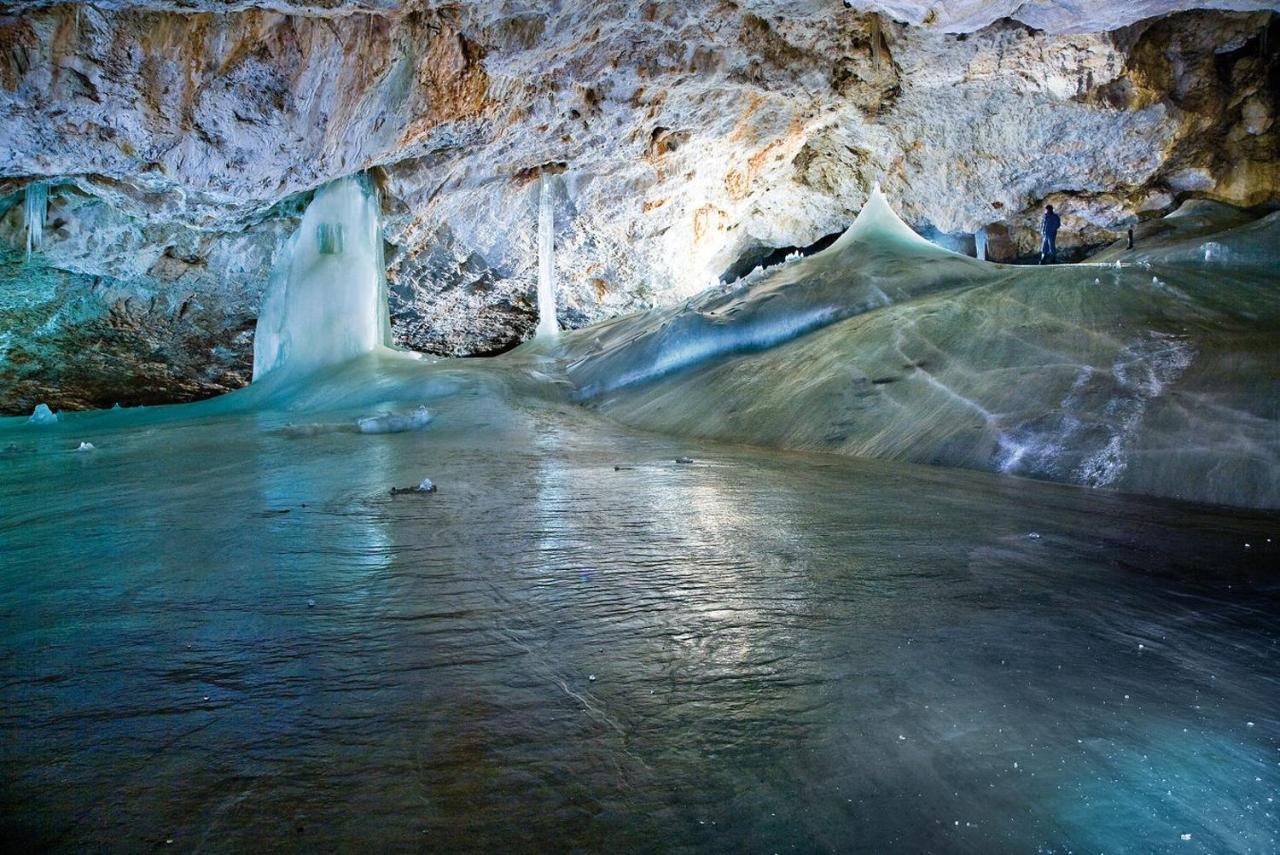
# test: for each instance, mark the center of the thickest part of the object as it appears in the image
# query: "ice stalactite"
(35, 205)
(326, 299)
(980, 244)
(547, 326)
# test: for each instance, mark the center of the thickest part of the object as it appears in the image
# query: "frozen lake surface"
(222, 630)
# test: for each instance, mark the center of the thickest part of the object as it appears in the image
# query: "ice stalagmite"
(547, 326)
(326, 300)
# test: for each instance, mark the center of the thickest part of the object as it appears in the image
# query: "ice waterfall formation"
(35, 205)
(980, 244)
(326, 300)
(547, 326)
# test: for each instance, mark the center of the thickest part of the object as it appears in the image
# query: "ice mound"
(86, 447)
(861, 272)
(1152, 376)
(395, 422)
(43, 416)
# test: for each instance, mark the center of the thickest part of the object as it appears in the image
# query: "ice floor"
(221, 630)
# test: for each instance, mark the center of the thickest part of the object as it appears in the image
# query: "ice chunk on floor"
(86, 446)
(395, 422)
(43, 415)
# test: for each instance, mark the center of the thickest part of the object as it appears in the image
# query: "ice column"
(980, 244)
(547, 326)
(326, 299)
(35, 205)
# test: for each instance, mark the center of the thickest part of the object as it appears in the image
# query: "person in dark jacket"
(1049, 229)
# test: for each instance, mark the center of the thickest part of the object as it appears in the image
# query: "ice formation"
(1147, 377)
(326, 300)
(86, 447)
(980, 244)
(1135, 382)
(547, 325)
(35, 205)
(43, 415)
(765, 309)
(395, 422)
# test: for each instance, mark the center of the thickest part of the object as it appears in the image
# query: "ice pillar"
(547, 326)
(326, 299)
(35, 205)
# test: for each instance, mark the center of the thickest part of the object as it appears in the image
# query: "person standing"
(1049, 231)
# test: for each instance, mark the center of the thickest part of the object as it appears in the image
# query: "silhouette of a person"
(1049, 229)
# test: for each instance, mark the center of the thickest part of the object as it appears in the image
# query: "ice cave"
(756, 426)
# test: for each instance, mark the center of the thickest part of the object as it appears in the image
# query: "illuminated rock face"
(690, 139)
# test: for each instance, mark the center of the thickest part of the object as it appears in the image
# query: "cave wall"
(181, 141)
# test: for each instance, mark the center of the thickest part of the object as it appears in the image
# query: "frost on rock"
(43, 415)
(395, 422)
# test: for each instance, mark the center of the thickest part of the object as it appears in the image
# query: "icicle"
(547, 326)
(35, 206)
(980, 243)
(329, 238)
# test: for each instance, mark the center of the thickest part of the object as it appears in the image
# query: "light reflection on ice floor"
(756, 652)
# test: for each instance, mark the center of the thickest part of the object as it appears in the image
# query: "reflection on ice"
(757, 651)
(579, 642)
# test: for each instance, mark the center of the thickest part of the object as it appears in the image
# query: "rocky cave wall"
(181, 140)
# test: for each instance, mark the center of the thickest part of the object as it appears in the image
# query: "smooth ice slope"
(1152, 374)
(879, 261)
(326, 301)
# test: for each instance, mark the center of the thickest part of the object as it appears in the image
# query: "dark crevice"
(766, 257)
